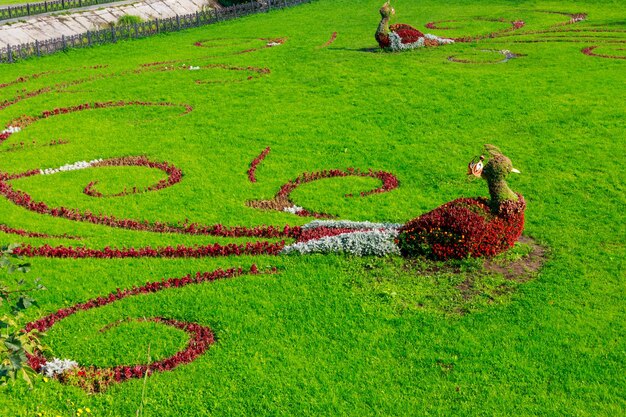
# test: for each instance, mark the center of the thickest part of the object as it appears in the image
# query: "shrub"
(128, 20)
(228, 3)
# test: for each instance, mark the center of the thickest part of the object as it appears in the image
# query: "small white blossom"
(293, 209)
(12, 129)
(57, 367)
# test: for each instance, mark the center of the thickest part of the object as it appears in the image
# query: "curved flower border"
(96, 379)
(282, 201)
(255, 163)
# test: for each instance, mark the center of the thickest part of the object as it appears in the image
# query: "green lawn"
(329, 334)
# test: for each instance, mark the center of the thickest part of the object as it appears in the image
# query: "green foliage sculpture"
(473, 227)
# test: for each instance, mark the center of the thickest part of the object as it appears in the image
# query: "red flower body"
(464, 227)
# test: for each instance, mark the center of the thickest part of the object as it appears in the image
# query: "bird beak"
(515, 170)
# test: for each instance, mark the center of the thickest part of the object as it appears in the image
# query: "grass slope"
(325, 337)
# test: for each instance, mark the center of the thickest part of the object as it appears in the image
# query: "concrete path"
(43, 27)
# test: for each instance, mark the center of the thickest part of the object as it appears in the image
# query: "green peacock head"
(387, 10)
(495, 172)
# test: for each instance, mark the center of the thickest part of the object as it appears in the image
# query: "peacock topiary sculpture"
(400, 36)
(470, 227)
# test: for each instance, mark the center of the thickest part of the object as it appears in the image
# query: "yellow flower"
(87, 410)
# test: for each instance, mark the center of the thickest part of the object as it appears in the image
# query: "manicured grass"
(326, 335)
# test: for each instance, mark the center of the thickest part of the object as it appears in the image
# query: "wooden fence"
(11, 54)
(29, 9)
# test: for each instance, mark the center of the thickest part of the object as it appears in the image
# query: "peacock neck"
(499, 191)
(383, 27)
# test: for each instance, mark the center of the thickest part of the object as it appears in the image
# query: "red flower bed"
(515, 25)
(174, 175)
(589, 51)
(463, 227)
(281, 200)
(201, 337)
(21, 232)
(255, 163)
(389, 180)
(180, 251)
(329, 42)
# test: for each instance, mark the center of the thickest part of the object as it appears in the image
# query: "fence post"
(37, 47)
(136, 31)
(28, 9)
(113, 34)
(45, 4)
(80, 3)
(89, 38)
(63, 4)
(63, 41)
(197, 18)
(10, 54)
(178, 21)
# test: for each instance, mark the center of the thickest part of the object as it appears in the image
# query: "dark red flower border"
(330, 41)
(25, 233)
(180, 251)
(174, 175)
(515, 25)
(589, 52)
(201, 337)
(282, 199)
(255, 163)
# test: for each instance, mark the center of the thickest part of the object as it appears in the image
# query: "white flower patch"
(293, 209)
(397, 45)
(192, 68)
(70, 167)
(349, 224)
(440, 41)
(57, 367)
(12, 129)
(272, 44)
(362, 243)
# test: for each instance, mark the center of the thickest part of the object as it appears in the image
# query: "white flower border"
(397, 45)
(70, 167)
(378, 239)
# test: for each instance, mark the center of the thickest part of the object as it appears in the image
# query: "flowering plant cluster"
(282, 202)
(345, 236)
(20, 146)
(57, 367)
(179, 251)
(21, 232)
(23, 199)
(201, 337)
(255, 163)
(396, 43)
(463, 228)
(589, 52)
(330, 41)
(174, 174)
(70, 167)
(515, 25)
(508, 55)
(358, 243)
